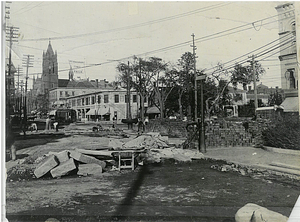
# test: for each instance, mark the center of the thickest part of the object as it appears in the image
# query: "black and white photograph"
(145, 111)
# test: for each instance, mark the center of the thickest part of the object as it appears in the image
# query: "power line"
(251, 52)
(137, 25)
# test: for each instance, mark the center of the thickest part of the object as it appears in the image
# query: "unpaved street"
(167, 191)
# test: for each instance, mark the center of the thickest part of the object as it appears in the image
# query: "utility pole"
(27, 65)
(195, 74)
(254, 83)
(11, 36)
(128, 97)
(19, 93)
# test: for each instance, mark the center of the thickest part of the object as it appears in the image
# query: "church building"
(288, 56)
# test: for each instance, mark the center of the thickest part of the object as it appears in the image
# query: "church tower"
(50, 70)
(288, 56)
(288, 53)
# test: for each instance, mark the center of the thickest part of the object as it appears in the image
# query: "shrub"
(283, 134)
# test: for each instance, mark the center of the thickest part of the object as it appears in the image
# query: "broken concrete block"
(62, 156)
(64, 168)
(254, 212)
(86, 159)
(89, 169)
(45, 166)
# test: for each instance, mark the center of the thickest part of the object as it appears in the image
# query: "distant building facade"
(263, 93)
(104, 104)
(288, 56)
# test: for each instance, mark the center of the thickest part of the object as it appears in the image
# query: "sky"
(101, 34)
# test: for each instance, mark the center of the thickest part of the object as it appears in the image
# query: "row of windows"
(66, 93)
(92, 100)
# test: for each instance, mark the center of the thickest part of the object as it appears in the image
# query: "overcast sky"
(103, 32)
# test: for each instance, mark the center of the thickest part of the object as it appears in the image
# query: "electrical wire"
(137, 25)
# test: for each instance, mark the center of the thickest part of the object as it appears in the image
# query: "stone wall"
(218, 133)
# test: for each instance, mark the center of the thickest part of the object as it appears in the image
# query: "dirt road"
(169, 191)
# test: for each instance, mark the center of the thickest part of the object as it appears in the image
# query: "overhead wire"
(137, 25)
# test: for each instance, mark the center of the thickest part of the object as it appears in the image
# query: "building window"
(66, 94)
(87, 100)
(60, 93)
(117, 99)
(134, 98)
(52, 85)
(292, 78)
(78, 102)
(73, 102)
(93, 99)
(73, 93)
(82, 101)
(99, 99)
(105, 98)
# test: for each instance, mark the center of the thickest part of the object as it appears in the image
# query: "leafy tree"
(183, 81)
(243, 74)
(161, 83)
(42, 103)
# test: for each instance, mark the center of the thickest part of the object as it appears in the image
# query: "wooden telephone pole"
(27, 62)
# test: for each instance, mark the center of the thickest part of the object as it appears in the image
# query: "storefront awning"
(153, 110)
(91, 112)
(103, 111)
(98, 112)
(290, 104)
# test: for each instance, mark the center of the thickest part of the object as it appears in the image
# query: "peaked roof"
(63, 82)
(50, 50)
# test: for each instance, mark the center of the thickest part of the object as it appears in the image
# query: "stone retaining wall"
(218, 133)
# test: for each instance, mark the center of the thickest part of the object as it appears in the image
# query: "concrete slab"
(64, 168)
(44, 167)
(86, 159)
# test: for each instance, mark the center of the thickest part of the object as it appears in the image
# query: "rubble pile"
(66, 162)
(150, 147)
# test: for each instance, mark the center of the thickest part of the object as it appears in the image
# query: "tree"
(243, 74)
(183, 81)
(42, 102)
(216, 93)
(161, 83)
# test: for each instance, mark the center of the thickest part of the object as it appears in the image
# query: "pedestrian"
(33, 127)
(146, 120)
(55, 126)
(48, 123)
(141, 125)
(114, 122)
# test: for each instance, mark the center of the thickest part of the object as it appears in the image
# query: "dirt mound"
(20, 172)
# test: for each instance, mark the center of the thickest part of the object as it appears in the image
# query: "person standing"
(48, 123)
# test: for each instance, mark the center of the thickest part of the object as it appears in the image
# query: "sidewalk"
(288, 162)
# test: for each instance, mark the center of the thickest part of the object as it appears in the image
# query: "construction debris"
(45, 166)
(64, 168)
(151, 146)
(89, 169)
(86, 159)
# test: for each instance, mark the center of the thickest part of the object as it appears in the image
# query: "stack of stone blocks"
(67, 162)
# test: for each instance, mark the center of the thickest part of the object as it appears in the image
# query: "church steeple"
(71, 73)
(50, 50)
